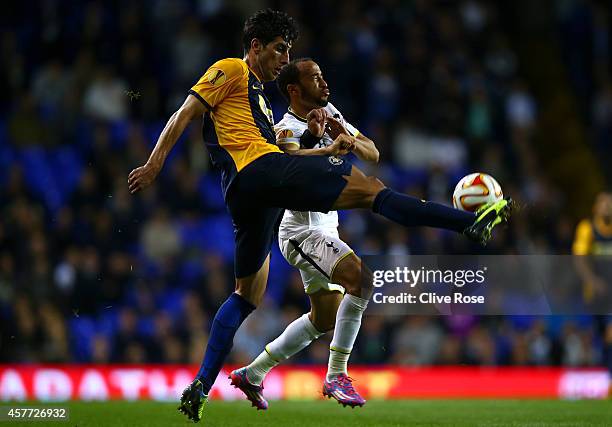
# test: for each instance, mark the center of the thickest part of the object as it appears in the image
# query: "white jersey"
(289, 130)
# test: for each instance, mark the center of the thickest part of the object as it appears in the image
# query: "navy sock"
(410, 211)
(228, 319)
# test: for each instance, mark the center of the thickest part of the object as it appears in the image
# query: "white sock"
(348, 321)
(294, 338)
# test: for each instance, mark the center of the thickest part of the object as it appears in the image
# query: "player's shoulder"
(289, 129)
(584, 225)
(289, 121)
(228, 68)
(583, 238)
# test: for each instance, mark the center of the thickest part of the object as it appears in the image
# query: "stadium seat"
(279, 274)
(82, 330)
(40, 177)
(108, 321)
(213, 234)
(67, 167)
(171, 301)
(190, 270)
(210, 189)
(403, 178)
(119, 133)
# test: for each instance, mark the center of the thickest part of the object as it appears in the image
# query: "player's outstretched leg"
(368, 192)
(487, 217)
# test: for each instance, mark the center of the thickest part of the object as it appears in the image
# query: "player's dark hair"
(289, 75)
(265, 25)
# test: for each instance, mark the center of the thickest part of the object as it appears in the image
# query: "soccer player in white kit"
(310, 242)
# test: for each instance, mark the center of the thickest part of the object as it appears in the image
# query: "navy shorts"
(262, 190)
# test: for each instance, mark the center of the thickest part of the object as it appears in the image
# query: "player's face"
(314, 90)
(273, 57)
(603, 206)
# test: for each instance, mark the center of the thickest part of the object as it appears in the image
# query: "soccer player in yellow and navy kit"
(593, 242)
(594, 237)
(259, 181)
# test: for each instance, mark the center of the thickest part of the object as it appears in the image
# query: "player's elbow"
(374, 154)
(184, 115)
(369, 150)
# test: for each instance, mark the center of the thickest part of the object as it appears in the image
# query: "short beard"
(317, 102)
(322, 102)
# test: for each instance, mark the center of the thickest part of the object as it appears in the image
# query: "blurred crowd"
(584, 36)
(89, 273)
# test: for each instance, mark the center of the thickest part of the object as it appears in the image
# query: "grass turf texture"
(536, 413)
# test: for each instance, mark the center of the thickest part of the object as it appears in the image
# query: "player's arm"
(141, 177)
(365, 149)
(304, 145)
(295, 150)
(340, 147)
(210, 90)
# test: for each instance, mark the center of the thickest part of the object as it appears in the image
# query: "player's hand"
(347, 142)
(335, 127)
(342, 145)
(141, 177)
(316, 121)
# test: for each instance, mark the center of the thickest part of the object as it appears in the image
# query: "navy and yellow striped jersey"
(241, 114)
(593, 237)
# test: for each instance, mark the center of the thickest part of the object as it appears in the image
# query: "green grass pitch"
(536, 413)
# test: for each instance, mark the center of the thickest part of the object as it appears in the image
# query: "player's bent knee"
(360, 191)
(348, 274)
(248, 291)
(366, 281)
(253, 287)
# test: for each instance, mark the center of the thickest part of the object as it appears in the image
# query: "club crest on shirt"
(330, 244)
(335, 160)
(215, 76)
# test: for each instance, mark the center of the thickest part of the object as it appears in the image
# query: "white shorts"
(316, 254)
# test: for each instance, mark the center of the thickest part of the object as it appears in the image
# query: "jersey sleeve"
(287, 134)
(352, 129)
(220, 80)
(583, 239)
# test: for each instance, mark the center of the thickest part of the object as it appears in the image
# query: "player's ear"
(257, 46)
(293, 89)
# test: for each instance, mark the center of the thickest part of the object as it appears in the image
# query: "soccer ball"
(475, 190)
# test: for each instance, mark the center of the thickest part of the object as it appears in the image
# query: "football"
(475, 190)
